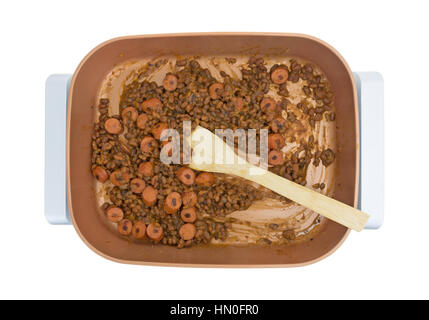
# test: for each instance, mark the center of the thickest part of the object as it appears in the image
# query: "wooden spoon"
(209, 148)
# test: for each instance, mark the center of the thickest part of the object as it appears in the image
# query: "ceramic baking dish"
(83, 207)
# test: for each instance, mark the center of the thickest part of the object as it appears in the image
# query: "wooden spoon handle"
(327, 207)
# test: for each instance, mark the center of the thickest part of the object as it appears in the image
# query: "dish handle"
(55, 202)
(370, 91)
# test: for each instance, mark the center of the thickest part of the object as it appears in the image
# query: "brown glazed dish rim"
(178, 35)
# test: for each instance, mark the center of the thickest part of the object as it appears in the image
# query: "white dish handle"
(370, 90)
(56, 94)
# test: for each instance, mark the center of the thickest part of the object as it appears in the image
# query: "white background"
(38, 260)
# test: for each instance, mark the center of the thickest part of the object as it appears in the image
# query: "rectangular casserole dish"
(83, 207)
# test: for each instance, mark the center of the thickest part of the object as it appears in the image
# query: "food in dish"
(172, 204)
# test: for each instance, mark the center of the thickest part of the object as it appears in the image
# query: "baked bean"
(308, 68)
(205, 179)
(137, 185)
(268, 105)
(167, 148)
(125, 227)
(189, 199)
(147, 144)
(279, 75)
(186, 176)
(158, 129)
(170, 82)
(264, 241)
(172, 203)
(104, 101)
(129, 113)
(113, 126)
(141, 120)
(187, 231)
(139, 230)
(239, 103)
(164, 143)
(289, 235)
(114, 214)
(327, 157)
(293, 76)
(319, 93)
(146, 169)
(189, 215)
(152, 105)
(181, 63)
(214, 90)
(119, 177)
(149, 196)
(275, 157)
(276, 141)
(118, 157)
(154, 232)
(100, 174)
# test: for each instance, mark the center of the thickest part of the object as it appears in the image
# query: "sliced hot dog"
(147, 144)
(125, 227)
(149, 196)
(114, 214)
(137, 185)
(214, 90)
(113, 126)
(172, 203)
(157, 130)
(278, 124)
(129, 113)
(279, 75)
(146, 169)
(276, 141)
(141, 120)
(119, 177)
(268, 105)
(154, 231)
(152, 105)
(275, 157)
(205, 179)
(187, 231)
(189, 215)
(139, 230)
(100, 174)
(170, 82)
(186, 175)
(189, 199)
